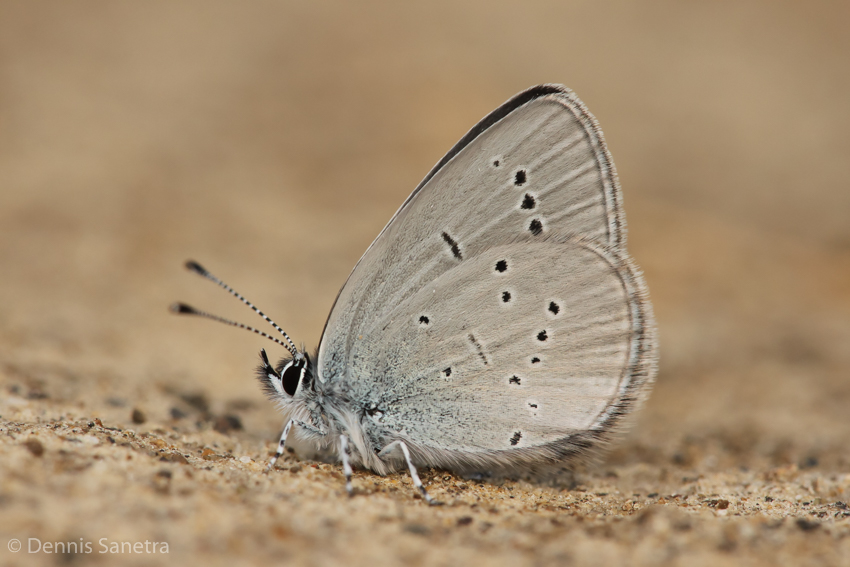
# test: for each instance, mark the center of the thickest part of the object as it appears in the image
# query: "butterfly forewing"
(541, 170)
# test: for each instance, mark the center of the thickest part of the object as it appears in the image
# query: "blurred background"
(272, 141)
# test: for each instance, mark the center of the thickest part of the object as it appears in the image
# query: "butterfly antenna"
(183, 309)
(201, 271)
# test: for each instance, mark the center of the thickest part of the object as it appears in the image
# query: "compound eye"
(290, 378)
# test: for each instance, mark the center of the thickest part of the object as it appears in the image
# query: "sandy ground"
(272, 142)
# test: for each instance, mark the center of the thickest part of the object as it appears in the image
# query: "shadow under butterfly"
(496, 325)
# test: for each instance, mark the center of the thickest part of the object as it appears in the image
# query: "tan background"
(273, 140)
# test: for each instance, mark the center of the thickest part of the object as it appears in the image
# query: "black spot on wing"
(528, 202)
(520, 177)
(535, 227)
(453, 245)
(515, 439)
(501, 266)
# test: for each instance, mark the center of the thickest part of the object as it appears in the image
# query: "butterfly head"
(291, 378)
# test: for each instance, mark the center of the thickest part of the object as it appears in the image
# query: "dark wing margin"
(506, 108)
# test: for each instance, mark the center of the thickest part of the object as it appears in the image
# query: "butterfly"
(496, 326)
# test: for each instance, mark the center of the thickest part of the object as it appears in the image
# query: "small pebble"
(35, 447)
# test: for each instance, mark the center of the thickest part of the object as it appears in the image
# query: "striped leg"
(346, 465)
(310, 428)
(413, 474)
(280, 445)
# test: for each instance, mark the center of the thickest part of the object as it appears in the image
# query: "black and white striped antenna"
(183, 309)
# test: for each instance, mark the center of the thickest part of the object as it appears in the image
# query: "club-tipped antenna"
(183, 309)
(201, 271)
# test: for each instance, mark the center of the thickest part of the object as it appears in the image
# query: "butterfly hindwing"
(483, 360)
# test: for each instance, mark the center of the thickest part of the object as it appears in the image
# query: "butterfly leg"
(413, 474)
(346, 465)
(310, 428)
(280, 445)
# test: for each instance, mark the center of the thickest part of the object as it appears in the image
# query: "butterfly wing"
(535, 171)
(536, 347)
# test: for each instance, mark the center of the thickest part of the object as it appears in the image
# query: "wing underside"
(481, 359)
(532, 186)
